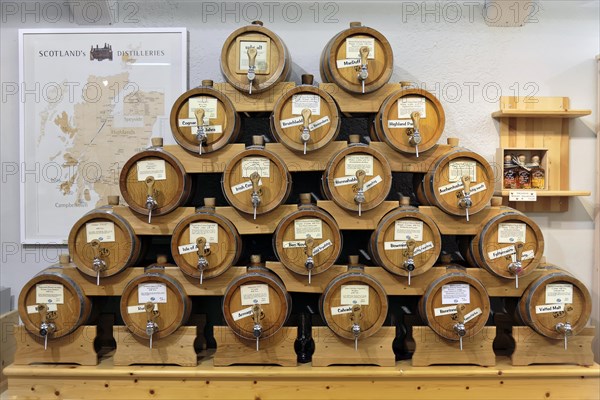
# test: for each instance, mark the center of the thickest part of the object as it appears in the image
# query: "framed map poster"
(90, 99)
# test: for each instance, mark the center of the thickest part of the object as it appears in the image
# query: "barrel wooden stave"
(276, 312)
(222, 255)
(373, 314)
(172, 192)
(173, 314)
(124, 251)
(74, 312)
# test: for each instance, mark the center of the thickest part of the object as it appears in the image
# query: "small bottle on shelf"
(510, 172)
(523, 174)
(538, 174)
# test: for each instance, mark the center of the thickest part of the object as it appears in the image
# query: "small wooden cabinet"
(538, 126)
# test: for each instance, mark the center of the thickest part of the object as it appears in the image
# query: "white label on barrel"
(357, 162)
(402, 245)
(155, 168)
(308, 226)
(345, 180)
(410, 104)
(262, 51)
(140, 308)
(152, 292)
(353, 46)
(304, 101)
(207, 103)
(102, 231)
(503, 252)
(319, 123)
(400, 123)
(456, 293)
(471, 315)
(207, 230)
(348, 62)
(244, 186)
(191, 248)
(49, 293)
(294, 244)
(261, 165)
(453, 187)
(290, 122)
(371, 183)
(511, 232)
(527, 255)
(458, 169)
(549, 308)
(34, 308)
(322, 247)
(341, 310)
(559, 293)
(408, 229)
(243, 313)
(255, 294)
(208, 129)
(354, 294)
(448, 310)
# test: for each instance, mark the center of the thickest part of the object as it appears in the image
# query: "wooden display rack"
(432, 349)
(330, 349)
(177, 348)
(277, 349)
(75, 348)
(533, 348)
(255, 102)
(539, 123)
(7, 344)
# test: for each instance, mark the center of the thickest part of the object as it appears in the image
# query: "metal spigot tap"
(355, 317)
(251, 66)
(465, 195)
(359, 198)
(201, 135)
(47, 327)
(364, 73)
(257, 315)
(255, 197)
(98, 262)
(516, 267)
(414, 134)
(409, 264)
(151, 315)
(459, 327)
(151, 194)
(305, 135)
(309, 264)
(202, 252)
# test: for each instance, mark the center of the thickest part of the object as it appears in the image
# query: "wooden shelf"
(541, 114)
(546, 193)
(566, 382)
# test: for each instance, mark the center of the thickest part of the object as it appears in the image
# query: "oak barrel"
(347, 291)
(154, 172)
(271, 59)
(256, 174)
(341, 181)
(219, 122)
(341, 60)
(223, 244)
(311, 228)
(305, 118)
(452, 298)
(257, 296)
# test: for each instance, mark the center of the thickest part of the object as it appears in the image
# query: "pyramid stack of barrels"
(271, 189)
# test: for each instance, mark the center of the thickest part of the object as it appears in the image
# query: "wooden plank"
(208, 162)
(569, 114)
(402, 162)
(264, 223)
(256, 102)
(548, 193)
(351, 221)
(457, 225)
(177, 348)
(330, 349)
(8, 344)
(533, 348)
(359, 103)
(431, 349)
(311, 161)
(161, 225)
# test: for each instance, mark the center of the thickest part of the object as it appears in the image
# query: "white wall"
(466, 63)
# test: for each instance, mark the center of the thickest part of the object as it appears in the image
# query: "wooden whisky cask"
(291, 238)
(388, 244)
(345, 291)
(62, 295)
(224, 243)
(453, 293)
(169, 299)
(290, 121)
(494, 245)
(258, 286)
(103, 235)
(340, 182)
(221, 122)
(273, 187)
(272, 59)
(395, 121)
(443, 185)
(556, 298)
(341, 60)
(170, 186)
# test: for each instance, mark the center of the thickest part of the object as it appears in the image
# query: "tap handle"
(306, 114)
(360, 176)
(257, 314)
(309, 242)
(151, 314)
(252, 57)
(150, 186)
(416, 119)
(255, 179)
(96, 247)
(519, 251)
(199, 113)
(460, 313)
(364, 53)
(356, 313)
(201, 244)
(466, 181)
(410, 248)
(43, 310)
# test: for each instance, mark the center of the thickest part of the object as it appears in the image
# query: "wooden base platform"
(105, 381)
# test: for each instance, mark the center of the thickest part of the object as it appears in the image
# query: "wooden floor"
(205, 381)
